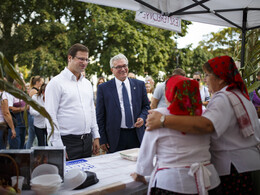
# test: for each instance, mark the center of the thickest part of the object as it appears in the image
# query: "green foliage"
(111, 30)
(7, 69)
(228, 42)
(192, 60)
(252, 59)
(33, 35)
(37, 34)
(224, 42)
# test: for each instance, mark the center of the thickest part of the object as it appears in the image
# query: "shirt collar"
(69, 75)
(118, 82)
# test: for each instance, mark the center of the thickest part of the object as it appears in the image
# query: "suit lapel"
(115, 93)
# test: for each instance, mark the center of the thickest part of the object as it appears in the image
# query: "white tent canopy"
(242, 14)
(218, 12)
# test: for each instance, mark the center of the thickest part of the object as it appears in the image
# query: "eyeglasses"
(196, 79)
(120, 67)
(83, 59)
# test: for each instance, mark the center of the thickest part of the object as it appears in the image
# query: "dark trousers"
(78, 146)
(41, 134)
(18, 141)
(128, 139)
(3, 135)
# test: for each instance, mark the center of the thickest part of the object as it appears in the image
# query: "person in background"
(158, 99)
(100, 80)
(255, 98)
(151, 81)
(232, 122)
(131, 75)
(18, 107)
(35, 84)
(122, 107)
(39, 121)
(182, 159)
(5, 121)
(149, 90)
(70, 102)
(204, 92)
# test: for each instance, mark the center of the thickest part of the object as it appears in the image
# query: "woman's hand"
(138, 178)
(153, 120)
(13, 134)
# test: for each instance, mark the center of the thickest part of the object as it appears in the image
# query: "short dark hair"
(77, 47)
(179, 71)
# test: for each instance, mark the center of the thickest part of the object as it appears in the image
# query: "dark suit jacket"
(109, 112)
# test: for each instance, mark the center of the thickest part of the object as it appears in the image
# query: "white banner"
(158, 20)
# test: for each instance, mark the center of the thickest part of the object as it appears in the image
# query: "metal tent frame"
(242, 14)
(217, 13)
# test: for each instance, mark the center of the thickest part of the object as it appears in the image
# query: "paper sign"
(158, 20)
(78, 164)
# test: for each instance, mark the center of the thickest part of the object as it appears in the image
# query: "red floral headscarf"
(184, 95)
(225, 68)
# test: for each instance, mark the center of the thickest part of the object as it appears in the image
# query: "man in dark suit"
(122, 107)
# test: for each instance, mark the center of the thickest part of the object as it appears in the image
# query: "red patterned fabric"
(225, 68)
(184, 95)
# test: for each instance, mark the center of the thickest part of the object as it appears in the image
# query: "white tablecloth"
(114, 177)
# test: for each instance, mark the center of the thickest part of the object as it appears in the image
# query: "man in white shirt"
(69, 101)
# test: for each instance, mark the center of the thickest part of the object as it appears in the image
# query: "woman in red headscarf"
(182, 159)
(232, 122)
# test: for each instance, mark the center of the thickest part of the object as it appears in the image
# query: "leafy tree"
(33, 35)
(228, 42)
(223, 42)
(192, 60)
(110, 31)
(37, 34)
(252, 59)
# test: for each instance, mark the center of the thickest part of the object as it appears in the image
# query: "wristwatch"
(162, 119)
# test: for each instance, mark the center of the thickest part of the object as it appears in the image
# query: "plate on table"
(130, 154)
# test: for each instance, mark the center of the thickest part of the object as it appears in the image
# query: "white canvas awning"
(218, 12)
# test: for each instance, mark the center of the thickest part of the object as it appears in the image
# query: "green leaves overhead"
(37, 35)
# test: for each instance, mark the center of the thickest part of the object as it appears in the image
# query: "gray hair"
(118, 57)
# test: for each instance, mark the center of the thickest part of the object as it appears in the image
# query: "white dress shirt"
(38, 121)
(121, 101)
(3, 96)
(204, 93)
(228, 145)
(12, 100)
(179, 154)
(71, 105)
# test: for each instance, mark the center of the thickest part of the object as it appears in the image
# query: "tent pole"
(243, 38)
